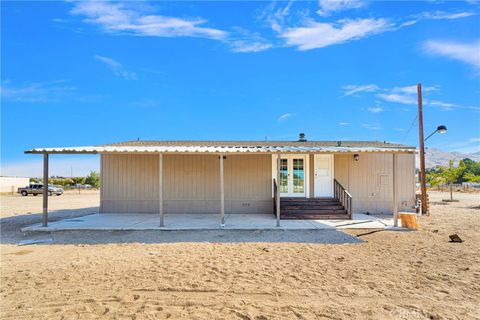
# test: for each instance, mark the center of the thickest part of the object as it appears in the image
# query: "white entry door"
(292, 176)
(323, 168)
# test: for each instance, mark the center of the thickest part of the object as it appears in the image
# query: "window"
(283, 175)
(298, 176)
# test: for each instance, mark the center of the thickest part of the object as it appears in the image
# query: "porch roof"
(146, 146)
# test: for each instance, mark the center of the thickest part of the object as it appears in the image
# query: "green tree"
(34, 180)
(434, 178)
(64, 182)
(470, 167)
(93, 179)
(78, 180)
(452, 174)
(471, 177)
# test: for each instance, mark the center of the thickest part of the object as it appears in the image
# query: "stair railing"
(343, 196)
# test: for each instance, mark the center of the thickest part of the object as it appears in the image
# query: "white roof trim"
(217, 149)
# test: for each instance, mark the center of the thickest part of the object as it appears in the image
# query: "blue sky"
(98, 72)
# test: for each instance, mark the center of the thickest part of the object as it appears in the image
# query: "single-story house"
(289, 179)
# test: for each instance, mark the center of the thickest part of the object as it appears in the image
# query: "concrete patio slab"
(361, 221)
(138, 221)
(132, 221)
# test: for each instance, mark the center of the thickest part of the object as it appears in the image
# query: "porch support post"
(45, 190)
(394, 191)
(160, 189)
(277, 200)
(222, 193)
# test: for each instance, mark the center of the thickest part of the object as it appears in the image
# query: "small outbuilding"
(289, 179)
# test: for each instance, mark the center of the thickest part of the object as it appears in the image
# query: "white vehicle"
(37, 188)
(81, 186)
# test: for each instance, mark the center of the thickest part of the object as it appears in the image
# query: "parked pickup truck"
(37, 188)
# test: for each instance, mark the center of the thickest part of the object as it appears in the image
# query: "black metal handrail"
(343, 196)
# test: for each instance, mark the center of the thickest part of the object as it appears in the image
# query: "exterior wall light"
(356, 157)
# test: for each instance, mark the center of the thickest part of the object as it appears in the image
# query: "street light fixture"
(440, 129)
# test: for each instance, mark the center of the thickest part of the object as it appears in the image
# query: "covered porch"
(286, 181)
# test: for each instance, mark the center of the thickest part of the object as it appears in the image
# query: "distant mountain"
(436, 157)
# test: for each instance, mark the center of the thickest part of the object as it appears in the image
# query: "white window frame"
(306, 162)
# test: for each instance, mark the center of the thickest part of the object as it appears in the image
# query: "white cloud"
(59, 20)
(242, 46)
(344, 123)
(403, 95)
(52, 91)
(137, 20)
(413, 89)
(246, 41)
(470, 145)
(285, 116)
(117, 68)
(372, 126)
(274, 16)
(311, 34)
(406, 95)
(78, 165)
(442, 15)
(410, 98)
(327, 7)
(435, 15)
(352, 89)
(468, 53)
(470, 149)
(447, 106)
(375, 109)
(320, 34)
(397, 98)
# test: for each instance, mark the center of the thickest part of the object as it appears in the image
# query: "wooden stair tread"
(312, 208)
(315, 217)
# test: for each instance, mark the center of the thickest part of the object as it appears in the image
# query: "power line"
(410, 129)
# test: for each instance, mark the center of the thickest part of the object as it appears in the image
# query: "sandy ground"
(393, 275)
(71, 200)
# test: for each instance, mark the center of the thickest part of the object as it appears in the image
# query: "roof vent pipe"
(301, 137)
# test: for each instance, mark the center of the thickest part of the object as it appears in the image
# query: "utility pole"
(423, 183)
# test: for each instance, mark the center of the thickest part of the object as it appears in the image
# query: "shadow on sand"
(11, 233)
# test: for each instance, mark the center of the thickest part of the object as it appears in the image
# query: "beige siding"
(129, 183)
(369, 180)
(191, 183)
(248, 184)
